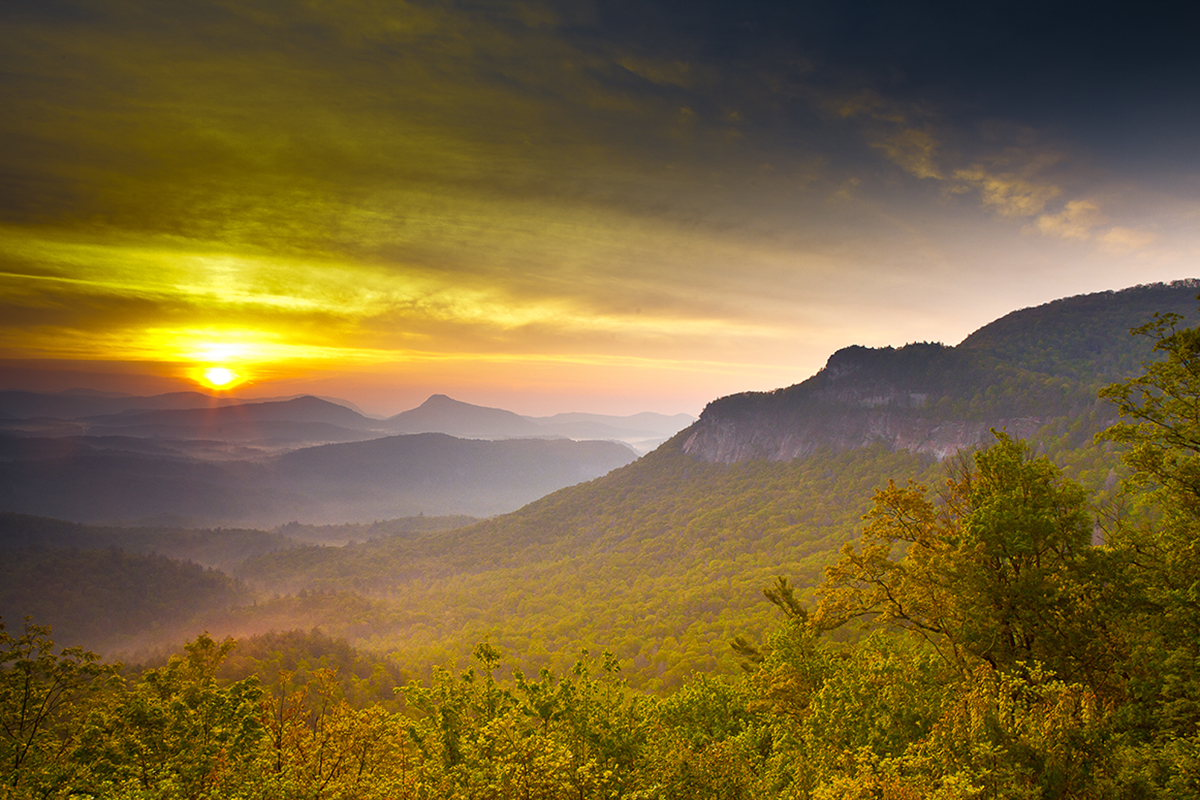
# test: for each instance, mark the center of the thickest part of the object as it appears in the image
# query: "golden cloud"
(913, 150)
(661, 72)
(1010, 195)
(1077, 220)
(1122, 241)
(1082, 220)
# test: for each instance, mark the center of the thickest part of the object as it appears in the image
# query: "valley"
(829, 572)
(661, 560)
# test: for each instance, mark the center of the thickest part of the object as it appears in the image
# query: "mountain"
(353, 482)
(662, 561)
(299, 421)
(1019, 374)
(222, 548)
(72, 404)
(441, 414)
(185, 424)
(264, 462)
(299, 409)
(434, 473)
(202, 426)
(111, 598)
(79, 403)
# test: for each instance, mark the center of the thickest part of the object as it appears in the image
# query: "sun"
(219, 377)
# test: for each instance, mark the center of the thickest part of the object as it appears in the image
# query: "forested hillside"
(110, 599)
(659, 561)
(87, 479)
(977, 639)
(1030, 369)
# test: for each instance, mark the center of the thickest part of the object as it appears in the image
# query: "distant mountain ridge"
(71, 404)
(381, 478)
(1018, 373)
(278, 424)
(663, 560)
(299, 409)
(441, 414)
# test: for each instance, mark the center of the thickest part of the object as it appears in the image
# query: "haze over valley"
(762, 484)
(593, 399)
(303, 459)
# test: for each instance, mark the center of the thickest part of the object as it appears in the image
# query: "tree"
(319, 747)
(1160, 413)
(1160, 424)
(177, 733)
(43, 698)
(1000, 569)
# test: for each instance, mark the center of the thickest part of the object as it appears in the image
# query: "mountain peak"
(442, 400)
(1016, 373)
(446, 415)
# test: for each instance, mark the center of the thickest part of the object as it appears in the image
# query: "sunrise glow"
(732, 203)
(219, 377)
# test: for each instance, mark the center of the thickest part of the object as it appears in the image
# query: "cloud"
(489, 179)
(913, 150)
(1082, 220)
(863, 102)
(661, 72)
(1122, 241)
(1077, 220)
(886, 125)
(1008, 194)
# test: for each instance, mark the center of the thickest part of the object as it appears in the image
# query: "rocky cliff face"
(725, 439)
(862, 397)
(1028, 369)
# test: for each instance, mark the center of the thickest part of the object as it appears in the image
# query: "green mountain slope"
(1030, 369)
(111, 600)
(662, 561)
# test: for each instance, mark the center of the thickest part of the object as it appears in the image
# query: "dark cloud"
(532, 176)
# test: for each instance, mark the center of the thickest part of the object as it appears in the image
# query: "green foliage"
(109, 599)
(1009, 656)
(176, 732)
(1083, 337)
(362, 532)
(221, 548)
(1001, 569)
(997, 697)
(660, 561)
(1161, 411)
(318, 745)
(575, 736)
(364, 678)
(43, 694)
(1161, 427)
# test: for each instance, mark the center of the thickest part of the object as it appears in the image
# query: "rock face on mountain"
(1019, 374)
(862, 396)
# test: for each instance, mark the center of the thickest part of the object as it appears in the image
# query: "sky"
(610, 207)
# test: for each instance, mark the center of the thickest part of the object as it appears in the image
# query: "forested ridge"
(1030, 369)
(660, 561)
(1008, 639)
(1024, 627)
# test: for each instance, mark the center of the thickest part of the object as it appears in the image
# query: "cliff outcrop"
(1021, 373)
